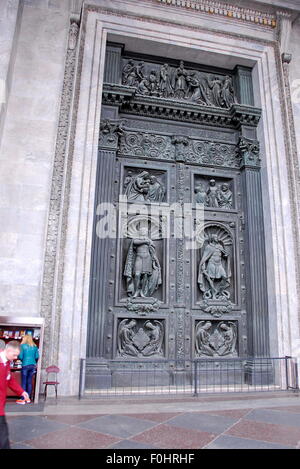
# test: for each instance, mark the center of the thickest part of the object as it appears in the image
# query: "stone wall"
(33, 46)
(27, 147)
(295, 75)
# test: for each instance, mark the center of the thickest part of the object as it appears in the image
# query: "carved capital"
(73, 35)
(248, 152)
(181, 145)
(110, 132)
(286, 58)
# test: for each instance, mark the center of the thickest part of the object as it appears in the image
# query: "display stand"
(14, 328)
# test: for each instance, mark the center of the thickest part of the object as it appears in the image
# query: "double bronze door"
(168, 264)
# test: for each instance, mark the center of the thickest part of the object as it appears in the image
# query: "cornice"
(229, 11)
(132, 103)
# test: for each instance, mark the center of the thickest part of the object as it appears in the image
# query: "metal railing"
(189, 377)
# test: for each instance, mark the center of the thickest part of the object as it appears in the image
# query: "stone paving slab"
(231, 442)
(269, 423)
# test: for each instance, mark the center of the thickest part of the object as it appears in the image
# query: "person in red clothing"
(10, 353)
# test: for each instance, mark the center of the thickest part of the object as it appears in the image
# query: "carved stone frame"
(69, 298)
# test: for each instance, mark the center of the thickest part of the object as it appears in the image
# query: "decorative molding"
(73, 36)
(146, 145)
(229, 11)
(142, 308)
(51, 286)
(131, 103)
(206, 152)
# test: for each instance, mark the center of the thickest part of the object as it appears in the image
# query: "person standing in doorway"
(29, 355)
(7, 355)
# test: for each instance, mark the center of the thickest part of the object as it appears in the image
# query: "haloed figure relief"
(214, 195)
(143, 187)
(213, 338)
(214, 270)
(142, 268)
(137, 338)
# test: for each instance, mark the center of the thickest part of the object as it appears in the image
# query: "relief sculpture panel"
(215, 266)
(142, 268)
(180, 83)
(140, 338)
(143, 187)
(214, 193)
(216, 339)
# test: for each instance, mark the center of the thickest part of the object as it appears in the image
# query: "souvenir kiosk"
(14, 328)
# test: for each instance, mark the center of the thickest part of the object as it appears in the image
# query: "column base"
(259, 372)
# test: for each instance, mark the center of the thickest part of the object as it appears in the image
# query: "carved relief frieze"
(211, 153)
(178, 148)
(179, 83)
(146, 145)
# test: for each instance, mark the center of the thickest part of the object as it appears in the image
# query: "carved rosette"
(146, 145)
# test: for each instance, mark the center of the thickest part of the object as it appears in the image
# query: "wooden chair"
(51, 370)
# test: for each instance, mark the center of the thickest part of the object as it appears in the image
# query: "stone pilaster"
(256, 279)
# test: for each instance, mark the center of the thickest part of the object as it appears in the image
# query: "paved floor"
(265, 421)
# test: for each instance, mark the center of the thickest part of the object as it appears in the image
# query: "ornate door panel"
(172, 272)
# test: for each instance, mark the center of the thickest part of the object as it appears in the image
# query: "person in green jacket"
(29, 355)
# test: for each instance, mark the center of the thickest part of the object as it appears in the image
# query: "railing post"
(195, 378)
(287, 372)
(82, 378)
(296, 376)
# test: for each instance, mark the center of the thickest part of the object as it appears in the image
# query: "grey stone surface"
(117, 425)
(231, 442)
(202, 422)
(28, 427)
(274, 416)
(130, 444)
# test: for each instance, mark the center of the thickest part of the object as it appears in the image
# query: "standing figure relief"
(142, 268)
(214, 270)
